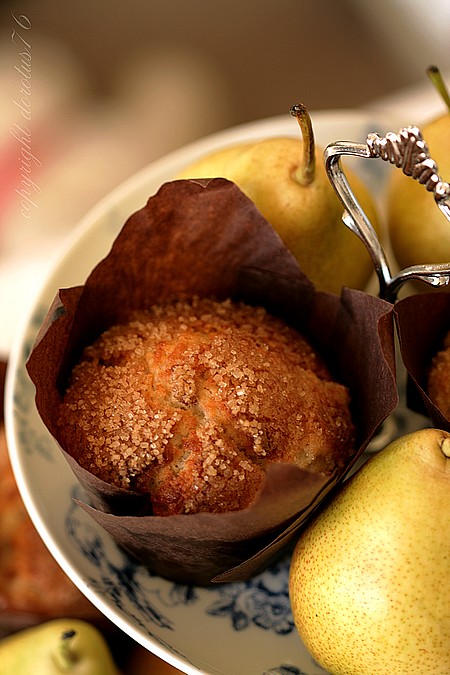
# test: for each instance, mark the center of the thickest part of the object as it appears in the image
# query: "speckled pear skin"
(418, 231)
(369, 580)
(308, 218)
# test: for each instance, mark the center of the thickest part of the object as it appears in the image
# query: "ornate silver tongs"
(406, 150)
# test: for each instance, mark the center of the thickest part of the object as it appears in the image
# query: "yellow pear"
(370, 577)
(67, 646)
(287, 181)
(419, 232)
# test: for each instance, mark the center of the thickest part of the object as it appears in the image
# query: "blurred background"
(92, 92)
(113, 86)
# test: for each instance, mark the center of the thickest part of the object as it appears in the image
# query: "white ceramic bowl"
(224, 630)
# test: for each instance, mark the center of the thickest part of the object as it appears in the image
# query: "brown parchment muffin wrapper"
(206, 238)
(422, 322)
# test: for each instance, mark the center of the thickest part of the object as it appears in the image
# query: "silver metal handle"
(406, 150)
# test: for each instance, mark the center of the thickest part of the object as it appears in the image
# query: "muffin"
(424, 341)
(439, 378)
(33, 587)
(190, 401)
(199, 254)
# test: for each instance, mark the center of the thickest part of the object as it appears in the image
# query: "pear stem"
(445, 447)
(65, 656)
(436, 78)
(305, 173)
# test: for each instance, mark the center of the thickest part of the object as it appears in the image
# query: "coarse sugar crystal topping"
(190, 401)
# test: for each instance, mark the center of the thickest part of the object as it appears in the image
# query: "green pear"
(287, 181)
(369, 580)
(69, 646)
(418, 230)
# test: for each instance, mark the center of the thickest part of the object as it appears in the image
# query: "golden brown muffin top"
(190, 402)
